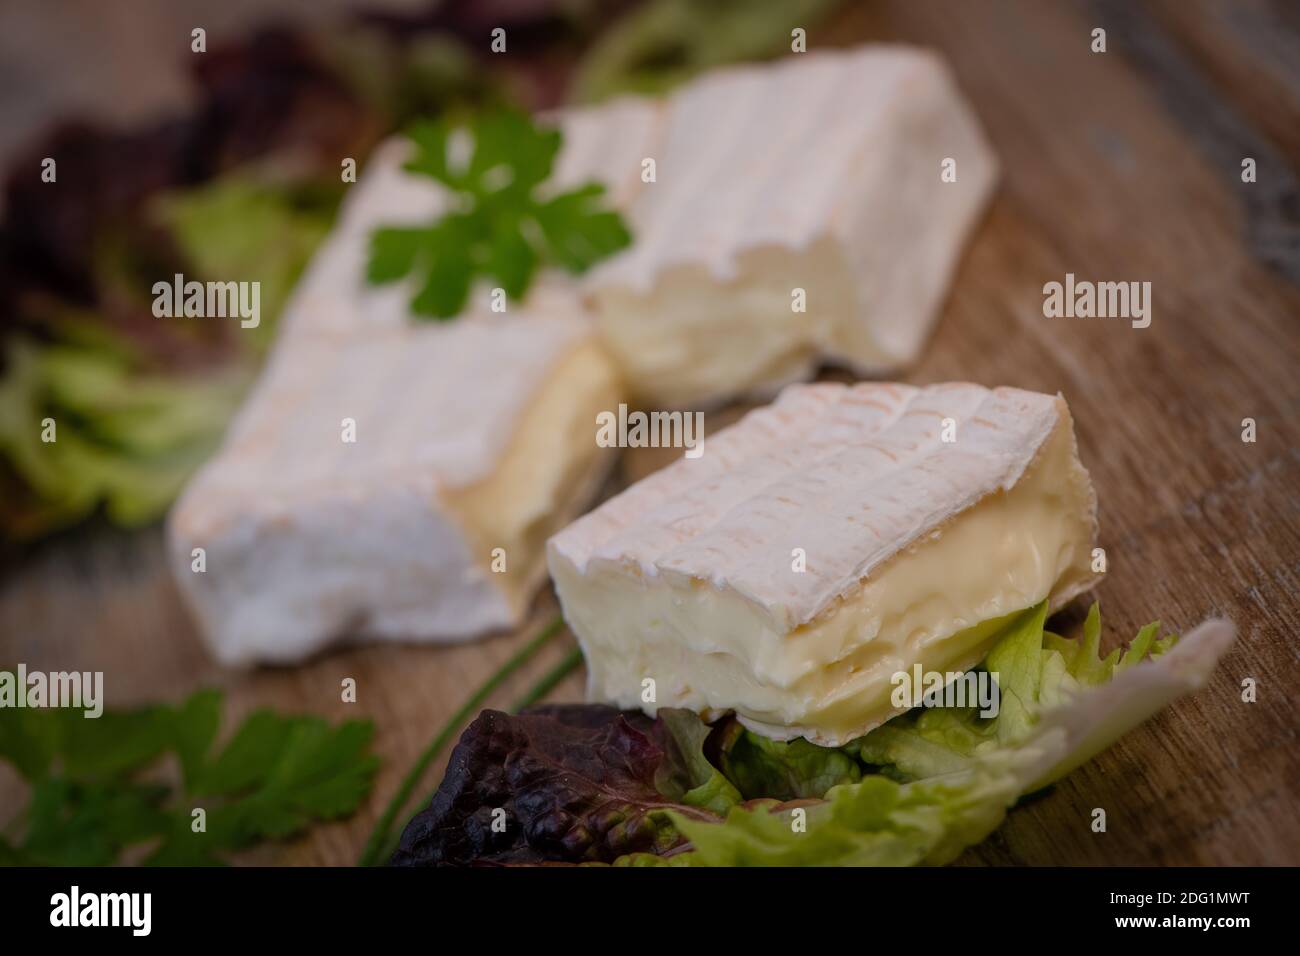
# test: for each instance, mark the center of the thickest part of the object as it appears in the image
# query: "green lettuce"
(120, 436)
(935, 781)
(1035, 670)
(239, 228)
(665, 42)
(782, 770)
(128, 432)
(686, 775)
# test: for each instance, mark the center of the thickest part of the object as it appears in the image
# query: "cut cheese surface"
(765, 184)
(822, 545)
(471, 441)
(476, 436)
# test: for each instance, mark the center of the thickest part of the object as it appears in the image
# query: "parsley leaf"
(499, 224)
(92, 799)
(72, 823)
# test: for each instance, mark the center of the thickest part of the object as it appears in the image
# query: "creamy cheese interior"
(764, 187)
(677, 343)
(547, 472)
(936, 603)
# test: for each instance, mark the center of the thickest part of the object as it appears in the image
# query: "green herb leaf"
(86, 824)
(578, 232)
(114, 744)
(284, 772)
(498, 224)
(393, 252)
(276, 776)
(28, 740)
(193, 731)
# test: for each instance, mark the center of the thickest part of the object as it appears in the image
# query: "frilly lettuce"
(789, 770)
(127, 438)
(587, 783)
(946, 777)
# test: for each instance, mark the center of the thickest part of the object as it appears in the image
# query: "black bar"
(569, 905)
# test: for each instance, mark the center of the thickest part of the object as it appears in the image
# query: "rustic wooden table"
(1122, 165)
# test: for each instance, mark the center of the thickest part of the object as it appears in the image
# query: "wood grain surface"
(1123, 165)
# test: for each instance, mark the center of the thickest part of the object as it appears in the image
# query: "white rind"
(764, 182)
(753, 162)
(309, 539)
(788, 473)
(283, 584)
(607, 143)
(914, 549)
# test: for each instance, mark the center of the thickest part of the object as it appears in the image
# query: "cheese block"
(824, 544)
(473, 441)
(823, 173)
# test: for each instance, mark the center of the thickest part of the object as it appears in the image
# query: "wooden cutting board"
(1123, 165)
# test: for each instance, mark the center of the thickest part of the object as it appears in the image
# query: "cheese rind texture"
(469, 436)
(912, 549)
(764, 184)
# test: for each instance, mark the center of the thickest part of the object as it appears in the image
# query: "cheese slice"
(913, 550)
(477, 435)
(821, 173)
(474, 440)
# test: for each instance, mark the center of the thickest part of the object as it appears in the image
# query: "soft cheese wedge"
(853, 177)
(472, 441)
(824, 544)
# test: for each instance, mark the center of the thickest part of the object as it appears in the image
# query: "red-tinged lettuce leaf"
(586, 783)
(566, 784)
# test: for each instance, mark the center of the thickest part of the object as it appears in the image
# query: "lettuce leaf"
(125, 438)
(954, 775)
(238, 228)
(685, 774)
(566, 784)
(665, 42)
(129, 434)
(591, 784)
(1035, 671)
(782, 770)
